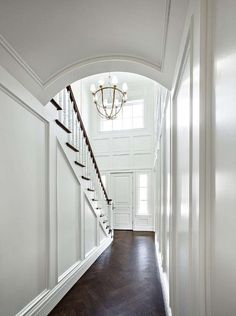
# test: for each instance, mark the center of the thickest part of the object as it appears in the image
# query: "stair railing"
(70, 120)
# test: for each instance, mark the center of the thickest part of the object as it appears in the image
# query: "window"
(131, 117)
(142, 194)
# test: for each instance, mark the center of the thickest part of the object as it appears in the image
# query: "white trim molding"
(49, 299)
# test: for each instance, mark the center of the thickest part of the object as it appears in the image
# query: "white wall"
(208, 237)
(183, 186)
(23, 205)
(181, 174)
(68, 214)
(48, 236)
(127, 149)
(223, 159)
(201, 279)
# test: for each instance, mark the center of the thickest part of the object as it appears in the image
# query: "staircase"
(70, 121)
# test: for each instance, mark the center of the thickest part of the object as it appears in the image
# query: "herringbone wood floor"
(123, 281)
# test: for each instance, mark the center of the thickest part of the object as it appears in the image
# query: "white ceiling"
(51, 42)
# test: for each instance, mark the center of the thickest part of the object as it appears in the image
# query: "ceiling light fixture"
(108, 98)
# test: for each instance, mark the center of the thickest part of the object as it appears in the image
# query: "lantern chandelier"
(108, 98)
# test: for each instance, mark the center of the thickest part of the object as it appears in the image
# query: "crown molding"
(166, 28)
(14, 54)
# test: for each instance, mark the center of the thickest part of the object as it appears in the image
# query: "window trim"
(144, 118)
(138, 187)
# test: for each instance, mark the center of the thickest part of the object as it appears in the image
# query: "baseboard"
(164, 282)
(143, 229)
(51, 298)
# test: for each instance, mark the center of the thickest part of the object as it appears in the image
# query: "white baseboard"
(143, 229)
(45, 303)
(164, 282)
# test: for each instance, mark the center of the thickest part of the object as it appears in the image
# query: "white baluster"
(70, 119)
(73, 129)
(61, 103)
(94, 174)
(80, 144)
(77, 144)
(86, 159)
(89, 168)
(84, 154)
(77, 132)
(65, 107)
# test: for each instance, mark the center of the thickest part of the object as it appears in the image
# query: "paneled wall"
(121, 152)
(222, 161)
(196, 239)
(180, 174)
(50, 231)
(127, 149)
(24, 224)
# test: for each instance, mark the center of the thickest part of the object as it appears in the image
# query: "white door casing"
(122, 195)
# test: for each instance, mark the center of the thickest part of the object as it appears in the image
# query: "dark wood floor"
(123, 281)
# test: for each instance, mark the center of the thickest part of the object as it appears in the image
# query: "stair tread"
(57, 105)
(66, 129)
(85, 178)
(79, 164)
(91, 190)
(72, 147)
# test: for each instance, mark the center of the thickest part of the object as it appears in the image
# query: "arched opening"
(125, 149)
(121, 154)
(81, 71)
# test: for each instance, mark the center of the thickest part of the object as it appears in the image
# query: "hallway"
(118, 115)
(123, 281)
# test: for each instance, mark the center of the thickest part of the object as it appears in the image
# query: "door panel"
(121, 190)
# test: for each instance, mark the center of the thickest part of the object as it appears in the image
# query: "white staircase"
(69, 120)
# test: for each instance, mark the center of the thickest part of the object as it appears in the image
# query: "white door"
(121, 192)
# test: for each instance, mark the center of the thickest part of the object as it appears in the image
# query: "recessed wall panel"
(101, 146)
(102, 235)
(104, 162)
(142, 160)
(142, 143)
(90, 228)
(23, 206)
(68, 210)
(121, 144)
(121, 162)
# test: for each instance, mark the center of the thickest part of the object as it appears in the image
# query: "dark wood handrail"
(76, 109)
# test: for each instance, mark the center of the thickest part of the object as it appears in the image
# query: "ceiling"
(48, 44)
